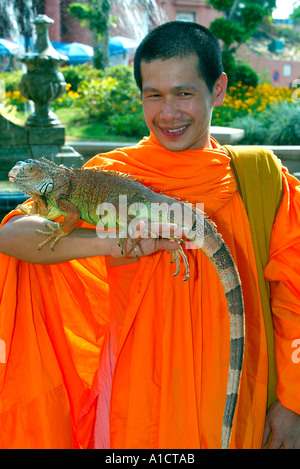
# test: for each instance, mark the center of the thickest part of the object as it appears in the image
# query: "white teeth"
(176, 130)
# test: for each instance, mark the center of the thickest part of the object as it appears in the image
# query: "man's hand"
(285, 427)
(144, 243)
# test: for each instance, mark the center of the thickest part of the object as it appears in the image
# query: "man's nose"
(169, 110)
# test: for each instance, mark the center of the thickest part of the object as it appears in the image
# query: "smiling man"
(180, 87)
(132, 356)
(177, 102)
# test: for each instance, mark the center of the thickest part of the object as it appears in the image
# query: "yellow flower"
(73, 94)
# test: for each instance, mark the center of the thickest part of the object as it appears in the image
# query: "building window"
(188, 15)
(287, 70)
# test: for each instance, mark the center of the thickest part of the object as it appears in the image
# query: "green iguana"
(78, 193)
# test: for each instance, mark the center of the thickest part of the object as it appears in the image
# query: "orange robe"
(160, 381)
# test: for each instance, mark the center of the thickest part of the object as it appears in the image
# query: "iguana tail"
(206, 238)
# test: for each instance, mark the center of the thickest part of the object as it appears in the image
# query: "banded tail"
(219, 255)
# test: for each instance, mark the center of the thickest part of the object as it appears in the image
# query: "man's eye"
(153, 96)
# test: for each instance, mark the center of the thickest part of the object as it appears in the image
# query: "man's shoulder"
(253, 159)
(250, 151)
(258, 173)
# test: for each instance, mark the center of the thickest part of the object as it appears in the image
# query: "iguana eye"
(46, 187)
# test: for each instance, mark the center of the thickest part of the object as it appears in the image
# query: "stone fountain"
(43, 134)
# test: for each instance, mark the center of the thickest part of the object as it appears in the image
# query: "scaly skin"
(76, 194)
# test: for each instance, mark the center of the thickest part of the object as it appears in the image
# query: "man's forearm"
(18, 238)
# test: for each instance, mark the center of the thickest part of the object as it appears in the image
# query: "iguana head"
(34, 177)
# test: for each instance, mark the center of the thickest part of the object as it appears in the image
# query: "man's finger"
(267, 432)
(275, 443)
(145, 228)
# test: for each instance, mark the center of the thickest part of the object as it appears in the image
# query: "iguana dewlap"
(78, 194)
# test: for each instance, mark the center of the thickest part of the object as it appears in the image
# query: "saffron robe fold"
(163, 343)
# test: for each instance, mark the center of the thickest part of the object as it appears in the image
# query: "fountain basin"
(9, 201)
(10, 197)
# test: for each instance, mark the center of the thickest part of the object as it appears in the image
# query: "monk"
(107, 351)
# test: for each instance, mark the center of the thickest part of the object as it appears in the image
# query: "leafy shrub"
(282, 124)
(68, 99)
(243, 100)
(115, 99)
(228, 31)
(255, 130)
(131, 125)
(14, 98)
(276, 125)
(11, 79)
(121, 73)
(10, 96)
(229, 65)
(238, 73)
(75, 74)
(245, 75)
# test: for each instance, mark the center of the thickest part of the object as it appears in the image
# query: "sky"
(284, 9)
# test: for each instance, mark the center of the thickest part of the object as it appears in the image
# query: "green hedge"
(279, 125)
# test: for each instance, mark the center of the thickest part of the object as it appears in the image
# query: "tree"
(240, 20)
(295, 16)
(97, 14)
(241, 17)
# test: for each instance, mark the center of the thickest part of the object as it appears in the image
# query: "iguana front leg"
(38, 207)
(69, 223)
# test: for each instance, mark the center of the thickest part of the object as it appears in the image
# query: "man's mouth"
(174, 133)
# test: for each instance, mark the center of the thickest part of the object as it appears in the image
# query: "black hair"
(181, 39)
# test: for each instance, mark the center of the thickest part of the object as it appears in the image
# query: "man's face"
(177, 103)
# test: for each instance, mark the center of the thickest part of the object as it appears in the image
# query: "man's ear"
(219, 90)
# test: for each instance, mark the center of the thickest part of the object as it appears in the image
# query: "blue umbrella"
(78, 53)
(8, 47)
(120, 44)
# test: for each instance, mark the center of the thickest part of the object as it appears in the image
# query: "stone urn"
(43, 82)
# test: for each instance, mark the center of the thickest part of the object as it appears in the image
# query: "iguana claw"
(51, 234)
(175, 258)
(23, 208)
